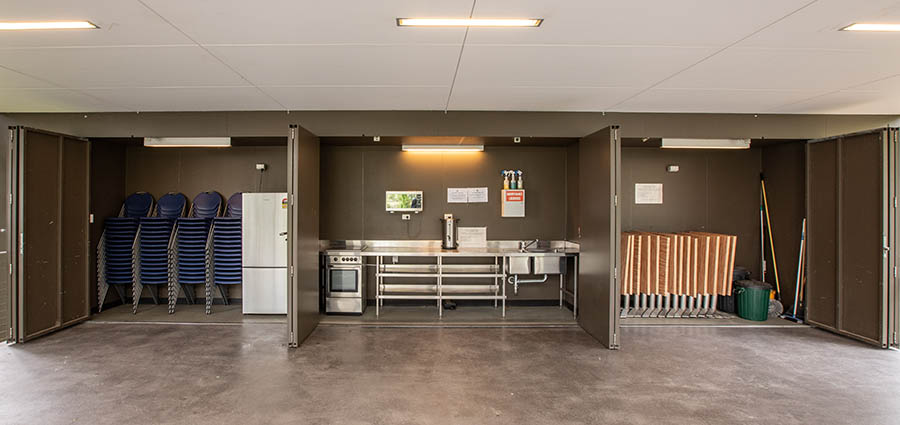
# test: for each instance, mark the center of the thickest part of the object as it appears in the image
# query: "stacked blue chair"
(192, 248)
(115, 251)
(226, 250)
(154, 247)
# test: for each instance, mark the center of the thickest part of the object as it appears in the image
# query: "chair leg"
(121, 291)
(188, 293)
(224, 291)
(153, 293)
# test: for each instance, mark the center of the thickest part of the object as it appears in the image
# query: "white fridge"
(264, 249)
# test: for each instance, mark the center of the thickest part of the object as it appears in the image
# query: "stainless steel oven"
(345, 282)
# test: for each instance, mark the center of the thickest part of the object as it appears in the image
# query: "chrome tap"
(523, 245)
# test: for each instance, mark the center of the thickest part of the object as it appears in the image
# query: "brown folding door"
(303, 234)
(50, 235)
(599, 186)
(851, 205)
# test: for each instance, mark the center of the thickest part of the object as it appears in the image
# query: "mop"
(801, 262)
(775, 306)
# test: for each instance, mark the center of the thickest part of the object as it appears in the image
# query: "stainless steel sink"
(548, 264)
(520, 265)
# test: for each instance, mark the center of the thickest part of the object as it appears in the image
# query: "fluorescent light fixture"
(54, 25)
(443, 148)
(706, 143)
(872, 27)
(468, 22)
(187, 142)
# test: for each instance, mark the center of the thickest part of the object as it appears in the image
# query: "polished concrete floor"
(101, 373)
(468, 316)
(185, 314)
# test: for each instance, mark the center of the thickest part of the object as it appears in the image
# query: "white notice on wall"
(648, 193)
(472, 237)
(478, 194)
(457, 195)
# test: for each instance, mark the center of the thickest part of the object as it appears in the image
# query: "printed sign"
(648, 193)
(284, 204)
(478, 195)
(515, 195)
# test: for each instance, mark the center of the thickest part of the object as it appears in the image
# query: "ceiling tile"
(121, 22)
(572, 66)
(122, 66)
(310, 22)
(712, 101)
(186, 98)
(756, 68)
(846, 102)
(51, 100)
(12, 80)
(361, 98)
(536, 98)
(343, 64)
(633, 22)
(818, 25)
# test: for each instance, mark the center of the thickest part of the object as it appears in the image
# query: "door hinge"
(292, 271)
(893, 337)
(292, 337)
(22, 243)
(895, 271)
(895, 202)
(616, 273)
(616, 200)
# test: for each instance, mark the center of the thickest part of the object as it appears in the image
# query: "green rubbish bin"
(753, 299)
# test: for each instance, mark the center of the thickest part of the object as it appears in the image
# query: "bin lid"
(753, 284)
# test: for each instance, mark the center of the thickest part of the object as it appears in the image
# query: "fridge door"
(264, 229)
(265, 291)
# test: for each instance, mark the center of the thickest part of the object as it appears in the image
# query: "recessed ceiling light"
(706, 143)
(443, 148)
(58, 25)
(468, 22)
(872, 27)
(187, 142)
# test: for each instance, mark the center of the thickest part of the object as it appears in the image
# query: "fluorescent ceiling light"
(706, 143)
(187, 142)
(443, 148)
(468, 22)
(58, 25)
(872, 27)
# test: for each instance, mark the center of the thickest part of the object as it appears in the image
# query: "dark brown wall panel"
(785, 168)
(390, 169)
(194, 170)
(861, 235)
(714, 191)
(342, 193)
(822, 269)
(41, 212)
(107, 196)
(572, 218)
(74, 225)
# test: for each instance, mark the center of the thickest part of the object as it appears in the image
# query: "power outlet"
(405, 217)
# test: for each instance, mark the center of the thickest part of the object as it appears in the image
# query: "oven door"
(343, 282)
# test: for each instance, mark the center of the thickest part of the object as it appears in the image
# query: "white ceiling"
(738, 56)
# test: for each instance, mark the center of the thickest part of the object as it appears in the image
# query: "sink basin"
(549, 264)
(520, 265)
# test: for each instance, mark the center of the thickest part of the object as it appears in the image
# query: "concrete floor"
(220, 374)
(481, 316)
(185, 314)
